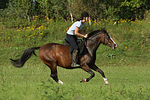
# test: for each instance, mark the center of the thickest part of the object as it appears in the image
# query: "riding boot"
(74, 58)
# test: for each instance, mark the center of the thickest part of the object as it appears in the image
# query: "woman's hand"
(79, 34)
(86, 35)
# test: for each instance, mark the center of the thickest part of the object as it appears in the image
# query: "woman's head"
(85, 16)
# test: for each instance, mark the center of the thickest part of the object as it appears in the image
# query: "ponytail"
(79, 19)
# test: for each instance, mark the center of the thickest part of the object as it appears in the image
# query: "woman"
(72, 34)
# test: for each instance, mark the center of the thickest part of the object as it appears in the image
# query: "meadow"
(127, 68)
(32, 82)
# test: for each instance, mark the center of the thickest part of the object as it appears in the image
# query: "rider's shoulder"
(78, 22)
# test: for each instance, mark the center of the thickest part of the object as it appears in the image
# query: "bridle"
(104, 37)
(98, 42)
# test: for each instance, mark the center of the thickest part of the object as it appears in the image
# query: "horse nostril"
(115, 45)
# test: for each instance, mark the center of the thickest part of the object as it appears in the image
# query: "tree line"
(55, 9)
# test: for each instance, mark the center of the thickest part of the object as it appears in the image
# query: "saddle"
(82, 48)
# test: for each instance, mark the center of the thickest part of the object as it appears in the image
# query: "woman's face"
(85, 19)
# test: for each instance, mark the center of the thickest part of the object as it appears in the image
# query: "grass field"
(127, 68)
(32, 82)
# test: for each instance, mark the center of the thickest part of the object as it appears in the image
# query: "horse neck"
(93, 44)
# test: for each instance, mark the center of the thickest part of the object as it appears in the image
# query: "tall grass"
(132, 37)
(127, 34)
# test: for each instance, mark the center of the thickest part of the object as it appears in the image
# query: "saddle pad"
(82, 48)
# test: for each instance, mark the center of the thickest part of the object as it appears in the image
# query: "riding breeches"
(72, 39)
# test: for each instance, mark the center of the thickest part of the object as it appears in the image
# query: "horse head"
(97, 37)
(107, 40)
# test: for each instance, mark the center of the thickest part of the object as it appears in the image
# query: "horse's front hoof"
(83, 80)
(60, 82)
(106, 83)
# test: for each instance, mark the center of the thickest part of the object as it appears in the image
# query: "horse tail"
(25, 56)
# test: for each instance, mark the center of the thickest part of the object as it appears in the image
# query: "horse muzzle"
(114, 46)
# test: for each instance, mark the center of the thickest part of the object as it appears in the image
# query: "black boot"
(74, 57)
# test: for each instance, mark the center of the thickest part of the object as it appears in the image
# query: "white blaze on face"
(113, 41)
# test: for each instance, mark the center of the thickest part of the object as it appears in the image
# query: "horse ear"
(102, 30)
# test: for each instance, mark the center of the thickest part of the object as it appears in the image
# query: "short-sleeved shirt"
(71, 30)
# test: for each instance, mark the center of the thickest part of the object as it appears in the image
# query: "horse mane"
(95, 32)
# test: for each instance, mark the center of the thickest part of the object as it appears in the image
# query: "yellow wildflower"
(41, 33)
(18, 30)
(28, 27)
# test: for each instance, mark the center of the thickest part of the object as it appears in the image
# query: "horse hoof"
(106, 82)
(83, 80)
(60, 82)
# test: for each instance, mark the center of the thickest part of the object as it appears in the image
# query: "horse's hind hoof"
(83, 80)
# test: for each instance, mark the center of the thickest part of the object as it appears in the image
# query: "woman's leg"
(72, 40)
(73, 43)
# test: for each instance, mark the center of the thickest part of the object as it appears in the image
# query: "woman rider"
(72, 34)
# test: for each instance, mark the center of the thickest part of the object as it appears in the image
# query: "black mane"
(95, 32)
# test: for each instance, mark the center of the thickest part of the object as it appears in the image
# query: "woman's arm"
(79, 34)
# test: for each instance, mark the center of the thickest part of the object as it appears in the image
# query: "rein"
(96, 41)
(104, 37)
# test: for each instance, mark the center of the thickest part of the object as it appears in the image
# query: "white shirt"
(71, 30)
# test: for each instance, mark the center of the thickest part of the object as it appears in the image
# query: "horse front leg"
(87, 69)
(94, 67)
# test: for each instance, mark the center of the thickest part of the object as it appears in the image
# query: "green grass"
(33, 82)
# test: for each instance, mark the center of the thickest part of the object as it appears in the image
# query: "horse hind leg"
(53, 68)
(55, 77)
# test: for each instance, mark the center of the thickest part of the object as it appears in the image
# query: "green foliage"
(37, 33)
(54, 9)
(3, 4)
(132, 37)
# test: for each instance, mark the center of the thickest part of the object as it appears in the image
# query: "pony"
(55, 54)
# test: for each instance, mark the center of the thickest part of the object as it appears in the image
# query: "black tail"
(25, 56)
